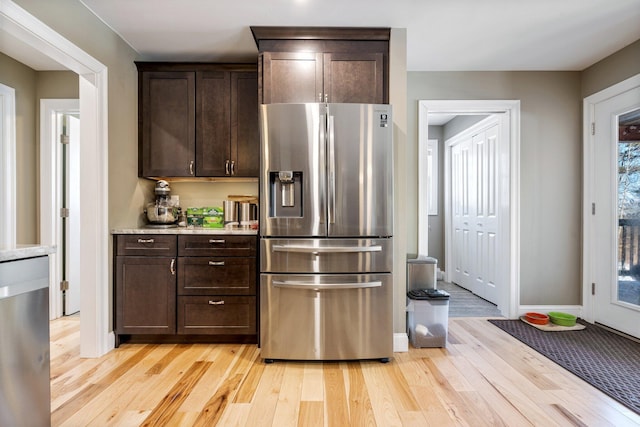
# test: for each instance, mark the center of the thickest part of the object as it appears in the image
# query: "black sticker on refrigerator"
(384, 120)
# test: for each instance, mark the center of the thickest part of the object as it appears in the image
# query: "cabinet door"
(166, 117)
(216, 276)
(291, 77)
(354, 78)
(245, 135)
(217, 315)
(213, 153)
(145, 295)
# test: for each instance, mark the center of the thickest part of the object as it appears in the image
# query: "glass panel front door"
(628, 231)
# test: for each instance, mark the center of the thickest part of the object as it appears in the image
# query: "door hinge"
(64, 285)
(593, 289)
(64, 139)
(593, 208)
(64, 212)
(593, 128)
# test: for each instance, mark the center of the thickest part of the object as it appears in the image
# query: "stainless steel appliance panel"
(292, 142)
(24, 340)
(326, 316)
(359, 170)
(326, 255)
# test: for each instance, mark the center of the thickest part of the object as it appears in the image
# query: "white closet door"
(474, 211)
(485, 222)
(461, 204)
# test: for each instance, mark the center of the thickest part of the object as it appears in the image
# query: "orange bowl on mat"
(537, 318)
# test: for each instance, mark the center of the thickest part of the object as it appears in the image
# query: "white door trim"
(588, 188)
(7, 166)
(509, 305)
(51, 193)
(95, 336)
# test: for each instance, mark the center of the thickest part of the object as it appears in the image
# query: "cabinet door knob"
(216, 262)
(216, 302)
(233, 167)
(227, 171)
(191, 167)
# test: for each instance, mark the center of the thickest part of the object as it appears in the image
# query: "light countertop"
(24, 251)
(185, 230)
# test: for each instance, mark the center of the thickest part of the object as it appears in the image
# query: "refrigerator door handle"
(324, 286)
(331, 175)
(326, 249)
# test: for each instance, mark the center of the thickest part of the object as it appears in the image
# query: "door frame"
(510, 301)
(50, 195)
(588, 189)
(96, 338)
(7, 166)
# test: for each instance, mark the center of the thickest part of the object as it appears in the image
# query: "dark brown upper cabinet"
(198, 120)
(310, 64)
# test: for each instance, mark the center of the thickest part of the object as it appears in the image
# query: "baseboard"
(400, 343)
(576, 310)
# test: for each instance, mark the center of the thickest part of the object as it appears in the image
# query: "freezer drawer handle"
(216, 302)
(320, 286)
(324, 249)
(216, 262)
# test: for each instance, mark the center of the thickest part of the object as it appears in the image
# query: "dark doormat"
(607, 361)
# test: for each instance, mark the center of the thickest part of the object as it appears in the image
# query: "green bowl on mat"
(562, 319)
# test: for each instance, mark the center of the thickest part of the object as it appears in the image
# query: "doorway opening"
(508, 173)
(93, 260)
(60, 200)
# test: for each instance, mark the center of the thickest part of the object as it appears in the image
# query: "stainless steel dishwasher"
(25, 396)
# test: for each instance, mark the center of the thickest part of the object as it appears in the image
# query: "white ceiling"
(442, 35)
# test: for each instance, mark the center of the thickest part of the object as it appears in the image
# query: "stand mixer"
(162, 213)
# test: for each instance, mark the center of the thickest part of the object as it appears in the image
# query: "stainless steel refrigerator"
(326, 226)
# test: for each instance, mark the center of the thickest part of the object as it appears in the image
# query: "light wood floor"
(483, 378)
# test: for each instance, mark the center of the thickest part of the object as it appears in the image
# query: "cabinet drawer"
(159, 245)
(217, 245)
(207, 315)
(216, 276)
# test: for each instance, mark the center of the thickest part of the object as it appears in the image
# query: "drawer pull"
(146, 240)
(216, 302)
(212, 241)
(172, 267)
(216, 262)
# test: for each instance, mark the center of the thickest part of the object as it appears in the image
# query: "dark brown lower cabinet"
(145, 295)
(185, 288)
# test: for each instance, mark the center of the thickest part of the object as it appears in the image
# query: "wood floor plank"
(288, 406)
(250, 382)
(312, 414)
(265, 398)
(163, 413)
(225, 391)
(360, 407)
(313, 382)
(335, 394)
(386, 413)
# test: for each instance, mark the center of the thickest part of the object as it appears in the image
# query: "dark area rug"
(607, 361)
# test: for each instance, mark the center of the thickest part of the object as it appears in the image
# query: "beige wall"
(551, 118)
(24, 80)
(611, 70)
